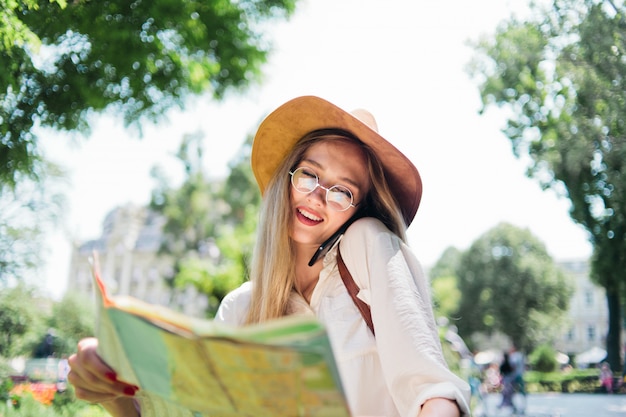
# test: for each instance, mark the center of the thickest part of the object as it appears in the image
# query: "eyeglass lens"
(338, 197)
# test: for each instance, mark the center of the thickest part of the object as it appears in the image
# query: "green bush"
(574, 380)
(5, 380)
(543, 359)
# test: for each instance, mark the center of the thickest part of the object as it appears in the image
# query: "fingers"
(93, 380)
(86, 359)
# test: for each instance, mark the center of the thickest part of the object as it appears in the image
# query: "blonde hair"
(273, 263)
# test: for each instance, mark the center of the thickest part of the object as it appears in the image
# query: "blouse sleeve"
(234, 306)
(393, 284)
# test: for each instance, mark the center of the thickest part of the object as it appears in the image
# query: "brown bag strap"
(354, 289)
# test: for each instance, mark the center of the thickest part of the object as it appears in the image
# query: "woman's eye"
(343, 191)
(309, 173)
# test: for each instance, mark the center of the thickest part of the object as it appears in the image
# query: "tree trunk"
(613, 337)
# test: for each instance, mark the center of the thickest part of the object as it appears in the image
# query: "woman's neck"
(306, 276)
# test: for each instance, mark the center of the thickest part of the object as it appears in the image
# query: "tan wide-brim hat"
(279, 132)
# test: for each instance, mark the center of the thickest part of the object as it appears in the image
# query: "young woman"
(333, 189)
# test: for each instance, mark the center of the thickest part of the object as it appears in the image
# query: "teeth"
(310, 216)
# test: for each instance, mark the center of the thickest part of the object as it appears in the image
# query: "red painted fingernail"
(129, 391)
(111, 375)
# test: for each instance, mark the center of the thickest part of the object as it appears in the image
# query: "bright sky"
(401, 59)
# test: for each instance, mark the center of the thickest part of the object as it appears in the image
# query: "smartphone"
(330, 242)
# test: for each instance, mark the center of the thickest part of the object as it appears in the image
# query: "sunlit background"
(404, 61)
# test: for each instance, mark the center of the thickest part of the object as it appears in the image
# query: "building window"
(137, 275)
(589, 298)
(569, 336)
(591, 333)
(153, 275)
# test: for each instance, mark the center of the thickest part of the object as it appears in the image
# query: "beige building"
(588, 311)
(129, 265)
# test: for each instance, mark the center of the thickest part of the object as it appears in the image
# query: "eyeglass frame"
(317, 184)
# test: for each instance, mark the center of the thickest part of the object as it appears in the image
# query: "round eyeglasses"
(338, 197)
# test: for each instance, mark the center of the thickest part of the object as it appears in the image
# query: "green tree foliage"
(446, 295)
(240, 190)
(16, 317)
(235, 234)
(25, 211)
(444, 283)
(447, 264)
(193, 210)
(217, 276)
(509, 283)
(210, 224)
(562, 78)
(68, 321)
(73, 319)
(26, 319)
(63, 60)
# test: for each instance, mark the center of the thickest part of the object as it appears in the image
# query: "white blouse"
(391, 374)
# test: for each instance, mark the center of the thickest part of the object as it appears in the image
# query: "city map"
(282, 368)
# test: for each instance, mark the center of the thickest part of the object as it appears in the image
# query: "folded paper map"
(281, 368)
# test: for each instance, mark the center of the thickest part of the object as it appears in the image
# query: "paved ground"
(557, 405)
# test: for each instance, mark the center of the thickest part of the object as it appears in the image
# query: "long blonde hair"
(273, 263)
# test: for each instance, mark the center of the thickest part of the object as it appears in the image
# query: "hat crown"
(366, 117)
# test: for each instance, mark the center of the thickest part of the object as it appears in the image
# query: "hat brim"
(281, 129)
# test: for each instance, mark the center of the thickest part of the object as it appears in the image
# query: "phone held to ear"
(330, 242)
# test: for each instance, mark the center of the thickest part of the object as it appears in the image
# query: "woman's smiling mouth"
(307, 217)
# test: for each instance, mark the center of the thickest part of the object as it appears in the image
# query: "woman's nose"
(319, 192)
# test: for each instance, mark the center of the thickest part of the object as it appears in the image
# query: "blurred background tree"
(72, 319)
(51, 329)
(510, 284)
(26, 210)
(210, 224)
(17, 318)
(561, 78)
(65, 62)
(444, 283)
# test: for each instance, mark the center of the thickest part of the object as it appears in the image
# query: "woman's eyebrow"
(348, 180)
